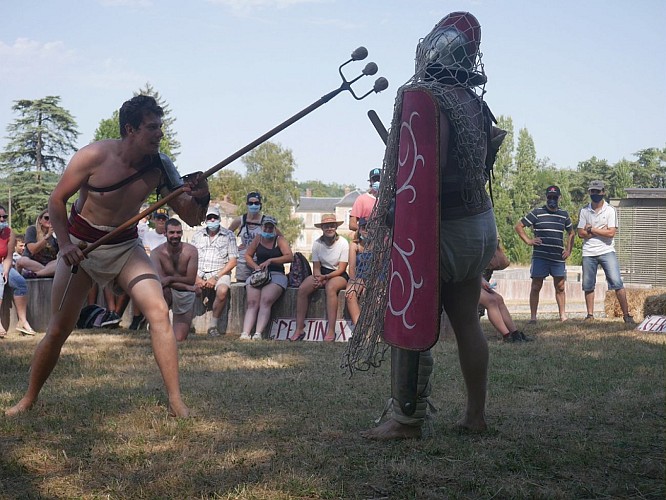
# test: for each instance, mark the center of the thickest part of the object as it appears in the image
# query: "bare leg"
(48, 270)
(493, 304)
(306, 289)
(30, 265)
(221, 294)
(333, 286)
(269, 294)
(621, 295)
(353, 295)
(22, 311)
(253, 297)
(139, 278)
(589, 302)
(560, 297)
(460, 302)
(535, 289)
(181, 325)
(60, 326)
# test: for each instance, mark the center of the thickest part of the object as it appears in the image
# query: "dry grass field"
(578, 413)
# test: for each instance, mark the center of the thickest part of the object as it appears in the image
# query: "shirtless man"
(113, 178)
(176, 264)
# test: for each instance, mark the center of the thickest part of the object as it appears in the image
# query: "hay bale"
(637, 299)
(655, 305)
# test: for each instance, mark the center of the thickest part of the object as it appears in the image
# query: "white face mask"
(3, 225)
(375, 185)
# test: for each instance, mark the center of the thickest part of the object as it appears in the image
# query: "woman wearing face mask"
(269, 250)
(10, 277)
(41, 249)
(246, 227)
(359, 261)
(330, 254)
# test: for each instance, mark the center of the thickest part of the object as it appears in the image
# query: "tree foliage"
(320, 190)
(40, 143)
(269, 170)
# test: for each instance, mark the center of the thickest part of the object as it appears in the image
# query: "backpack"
(300, 269)
(91, 316)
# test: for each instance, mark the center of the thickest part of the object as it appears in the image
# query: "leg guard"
(410, 402)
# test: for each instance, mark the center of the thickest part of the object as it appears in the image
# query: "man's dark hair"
(172, 222)
(133, 111)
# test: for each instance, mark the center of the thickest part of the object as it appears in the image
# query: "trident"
(357, 55)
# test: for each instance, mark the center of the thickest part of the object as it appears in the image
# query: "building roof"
(349, 199)
(312, 204)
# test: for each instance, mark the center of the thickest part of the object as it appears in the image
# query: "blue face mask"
(3, 225)
(375, 185)
(596, 198)
(213, 225)
(268, 235)
(254, 208)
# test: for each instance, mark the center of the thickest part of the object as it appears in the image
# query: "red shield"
(412, 315)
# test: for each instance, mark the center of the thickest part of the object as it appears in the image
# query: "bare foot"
(178, 409)
(391, 429)
(472, 426)
(19, 408)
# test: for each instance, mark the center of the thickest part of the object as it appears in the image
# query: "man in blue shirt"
(548, 224)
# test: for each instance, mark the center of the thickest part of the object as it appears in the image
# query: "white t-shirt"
(605, 218)
(152, 239)
(330, 257)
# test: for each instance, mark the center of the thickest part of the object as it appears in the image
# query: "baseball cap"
(375, 172)
(553, 191)
(161, 212)
(269, 220)
(213, 210)
(596, 185)
(253, 194)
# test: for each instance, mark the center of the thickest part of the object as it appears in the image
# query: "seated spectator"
(41, 249)
(11, 277)
(330, 254)
(271, 252)
(18, 251)
(218, 255)
(359, 261)
(176, 264)
(112, 315)
(248, 226)
(499, 315)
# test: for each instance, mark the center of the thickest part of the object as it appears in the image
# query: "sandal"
(329, 339)
(25, 331)
(297, 338)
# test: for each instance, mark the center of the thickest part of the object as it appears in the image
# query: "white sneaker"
(245, 336)
(256, 336)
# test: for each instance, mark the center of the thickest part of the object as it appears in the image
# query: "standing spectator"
(218, 255)
(597, 225)
(364, 204)
(359, 261)
(248, 226)
(176, 264)
(330, 254)
(271, 251)
(41, 249)
(499, 315)
(11, 277)
(549, 223)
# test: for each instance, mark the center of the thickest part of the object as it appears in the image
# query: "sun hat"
(327, 219)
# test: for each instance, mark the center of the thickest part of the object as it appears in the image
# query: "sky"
(585, 78)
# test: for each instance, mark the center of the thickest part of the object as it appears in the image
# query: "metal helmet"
(450, 52)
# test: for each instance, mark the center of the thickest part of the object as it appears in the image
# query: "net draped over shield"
(448, 60)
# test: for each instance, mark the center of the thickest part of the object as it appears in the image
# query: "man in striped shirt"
(548, 224)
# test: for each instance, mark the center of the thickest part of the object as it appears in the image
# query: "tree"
(650, 168)
(321, 190)
(108, 128)
(269, 171)
(230, 184)
(40, 142)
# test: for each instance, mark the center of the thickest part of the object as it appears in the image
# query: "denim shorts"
(611, 267)
(16, 283)
(543, 267)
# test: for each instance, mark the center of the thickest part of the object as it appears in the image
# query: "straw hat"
(329, 218)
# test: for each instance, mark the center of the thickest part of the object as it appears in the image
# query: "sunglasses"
(45, 217)
(254, 203)
(4, 216)
(212, 217)
(329, 226)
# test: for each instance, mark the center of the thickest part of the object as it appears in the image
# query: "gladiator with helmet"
(432, 208)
